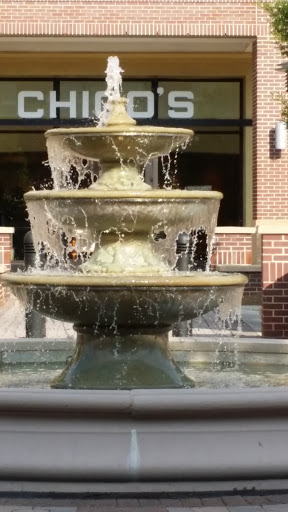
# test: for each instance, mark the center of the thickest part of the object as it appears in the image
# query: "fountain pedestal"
(137, 357)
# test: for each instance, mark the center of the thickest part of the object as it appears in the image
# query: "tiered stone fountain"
(124, 299)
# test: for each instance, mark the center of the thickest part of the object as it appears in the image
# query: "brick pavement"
(225, 503)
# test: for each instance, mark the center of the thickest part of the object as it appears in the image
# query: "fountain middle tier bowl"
(111, 301)
(130, 218)
(123, 210)
(121, 142)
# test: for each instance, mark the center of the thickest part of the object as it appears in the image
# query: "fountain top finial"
(114, 112)
(113, 79)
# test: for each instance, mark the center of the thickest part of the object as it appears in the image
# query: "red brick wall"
(253, 289)
(275, 285)
(270, 173)
(5, 249)
(129, 17)
(5, 259)
(232, 249)
(236, 249)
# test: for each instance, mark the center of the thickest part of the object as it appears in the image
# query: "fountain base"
(127, 359)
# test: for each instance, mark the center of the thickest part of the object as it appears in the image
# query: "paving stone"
(95, 508)
(246, 508)
(10, 508)
(256, 500)
(179, 509)
(170, 502)
(275, 508)
(234, 500)
(210, 509)
(212, 502)
(37, 508)
(127, 502)
(145, 502)
(146, 509)
(277, 498)
(53, 509)
(159, 508)
(102, 502)
(191, 502)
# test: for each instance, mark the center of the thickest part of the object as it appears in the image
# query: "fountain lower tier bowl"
(122, 322)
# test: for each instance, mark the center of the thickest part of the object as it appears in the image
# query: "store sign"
(84, 104)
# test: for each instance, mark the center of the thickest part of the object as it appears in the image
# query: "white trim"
(4, 230)
(235, 230)
(239, 268)
(273, 229)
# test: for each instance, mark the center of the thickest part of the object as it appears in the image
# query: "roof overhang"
(126, 44)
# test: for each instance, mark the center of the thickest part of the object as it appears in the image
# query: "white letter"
(85, 104)
(21, 104)
(54, 104)
(188, 105)
(150, 104)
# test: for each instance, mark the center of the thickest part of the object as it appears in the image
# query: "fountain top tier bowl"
(121, 134)
(122, 148)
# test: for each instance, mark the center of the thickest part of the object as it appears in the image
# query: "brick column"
(274, 249)
(6, 245)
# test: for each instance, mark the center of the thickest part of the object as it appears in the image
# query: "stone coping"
(113, 436)
(170, 403)
(273, 229)
(251, 345)
(239, 268)
(235, 230)
(4, 230)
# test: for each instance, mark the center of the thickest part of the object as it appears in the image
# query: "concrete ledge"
(273, 229)
(239, 268)
(35, 350)
(4, 230)
(54, 489)
(143, 435)
(235, 230)
(250, 351)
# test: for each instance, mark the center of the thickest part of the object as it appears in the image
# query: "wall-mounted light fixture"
(280, 135)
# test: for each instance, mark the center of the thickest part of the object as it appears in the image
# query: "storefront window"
(22, 167)
(199, 100)
(21, 99)
(211, 161)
